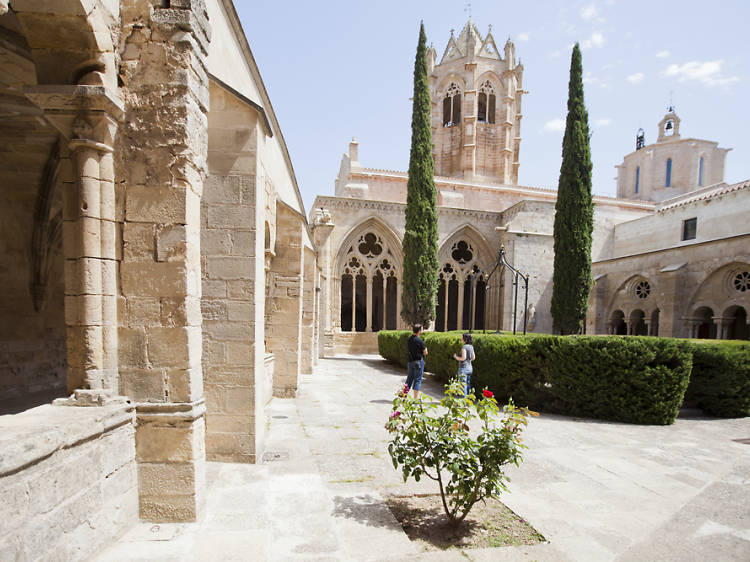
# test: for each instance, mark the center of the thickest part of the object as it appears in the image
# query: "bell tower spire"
(476, 108)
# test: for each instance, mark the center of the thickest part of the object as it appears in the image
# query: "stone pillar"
(322, 226)
(284, 328)
(308, 312)
(368, 305)
(88, 116)
(399, 319)
(460, 317)
(163, 165)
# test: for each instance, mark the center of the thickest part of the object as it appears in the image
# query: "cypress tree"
(574, 213)
(420, 236)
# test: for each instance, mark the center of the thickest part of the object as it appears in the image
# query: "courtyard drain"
(381, 401)
(271, 456)
(743, 441)
(279, 417)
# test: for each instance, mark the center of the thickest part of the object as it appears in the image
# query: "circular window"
(642, 289)
(741, 281)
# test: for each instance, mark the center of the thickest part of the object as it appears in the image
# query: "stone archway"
(735, 324)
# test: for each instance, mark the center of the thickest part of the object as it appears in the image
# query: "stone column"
(460, 317)
(368, 304)
(163, 165)
(384, 314)
(399, 320)
(87, 116)
(308, 312)
(322, 226)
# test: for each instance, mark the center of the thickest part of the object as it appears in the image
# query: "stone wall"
(67, 480)
(307, 343)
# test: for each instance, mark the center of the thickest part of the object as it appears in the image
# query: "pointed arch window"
(668, 181)
(486, 103)
(462, 289)
(369, 286)
(452, 106)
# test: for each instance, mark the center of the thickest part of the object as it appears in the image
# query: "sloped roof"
(704, 194)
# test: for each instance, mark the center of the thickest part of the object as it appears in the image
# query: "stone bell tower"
(476, 108)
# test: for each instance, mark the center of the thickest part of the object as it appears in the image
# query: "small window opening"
(482, 108)
(700, 172)
(689, 228)
(637, 178)
(668, 182)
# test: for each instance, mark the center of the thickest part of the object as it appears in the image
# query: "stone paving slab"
(595, 490)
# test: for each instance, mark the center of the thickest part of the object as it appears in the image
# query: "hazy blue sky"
(337, 69)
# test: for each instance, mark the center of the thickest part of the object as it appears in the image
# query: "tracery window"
(461, 291)
(452, 106)
(369, 286)
(741, 281)
(486, 103)
(642, 289)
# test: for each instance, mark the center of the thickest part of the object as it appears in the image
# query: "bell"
(669, 125)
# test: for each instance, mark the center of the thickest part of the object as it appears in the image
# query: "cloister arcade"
(369, 280)
(717, 310)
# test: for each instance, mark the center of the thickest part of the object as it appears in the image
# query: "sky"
(341, 69)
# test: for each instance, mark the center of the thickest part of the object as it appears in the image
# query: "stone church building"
(671, 252)
(161, 282)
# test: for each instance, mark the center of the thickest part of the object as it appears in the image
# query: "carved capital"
(81, 112)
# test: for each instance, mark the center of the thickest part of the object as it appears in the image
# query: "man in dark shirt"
(415, 367)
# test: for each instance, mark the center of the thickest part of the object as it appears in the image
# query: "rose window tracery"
(741, 281)
(642, 289)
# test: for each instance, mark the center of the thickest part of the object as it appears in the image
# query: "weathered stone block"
(213, 288)
(181, 311)
(231, 216)
(240, 289)
(185, 386)
(132, 348)
(143, 311)
(143, 385)
(243, 244)
(139, 240)
(229, 267)
(238, 311)
(178, 347)
(162, 205)
(165, 443)
(215, 242)
(154, 279)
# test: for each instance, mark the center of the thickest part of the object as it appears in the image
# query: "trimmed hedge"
(631, 379)
(720, 384)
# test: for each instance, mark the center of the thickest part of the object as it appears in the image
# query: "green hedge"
(631, 379)
(720, 384)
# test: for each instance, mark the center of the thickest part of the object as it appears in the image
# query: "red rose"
(487, 393)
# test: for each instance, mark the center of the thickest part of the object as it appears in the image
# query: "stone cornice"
(386, 206)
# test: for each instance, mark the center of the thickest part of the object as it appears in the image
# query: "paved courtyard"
(595, 490)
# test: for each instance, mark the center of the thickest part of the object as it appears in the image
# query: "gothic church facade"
(477, 92)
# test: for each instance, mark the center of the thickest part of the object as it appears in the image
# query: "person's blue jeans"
(464, 374)
(414, 370)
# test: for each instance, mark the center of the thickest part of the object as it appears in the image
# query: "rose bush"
(439, 443)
